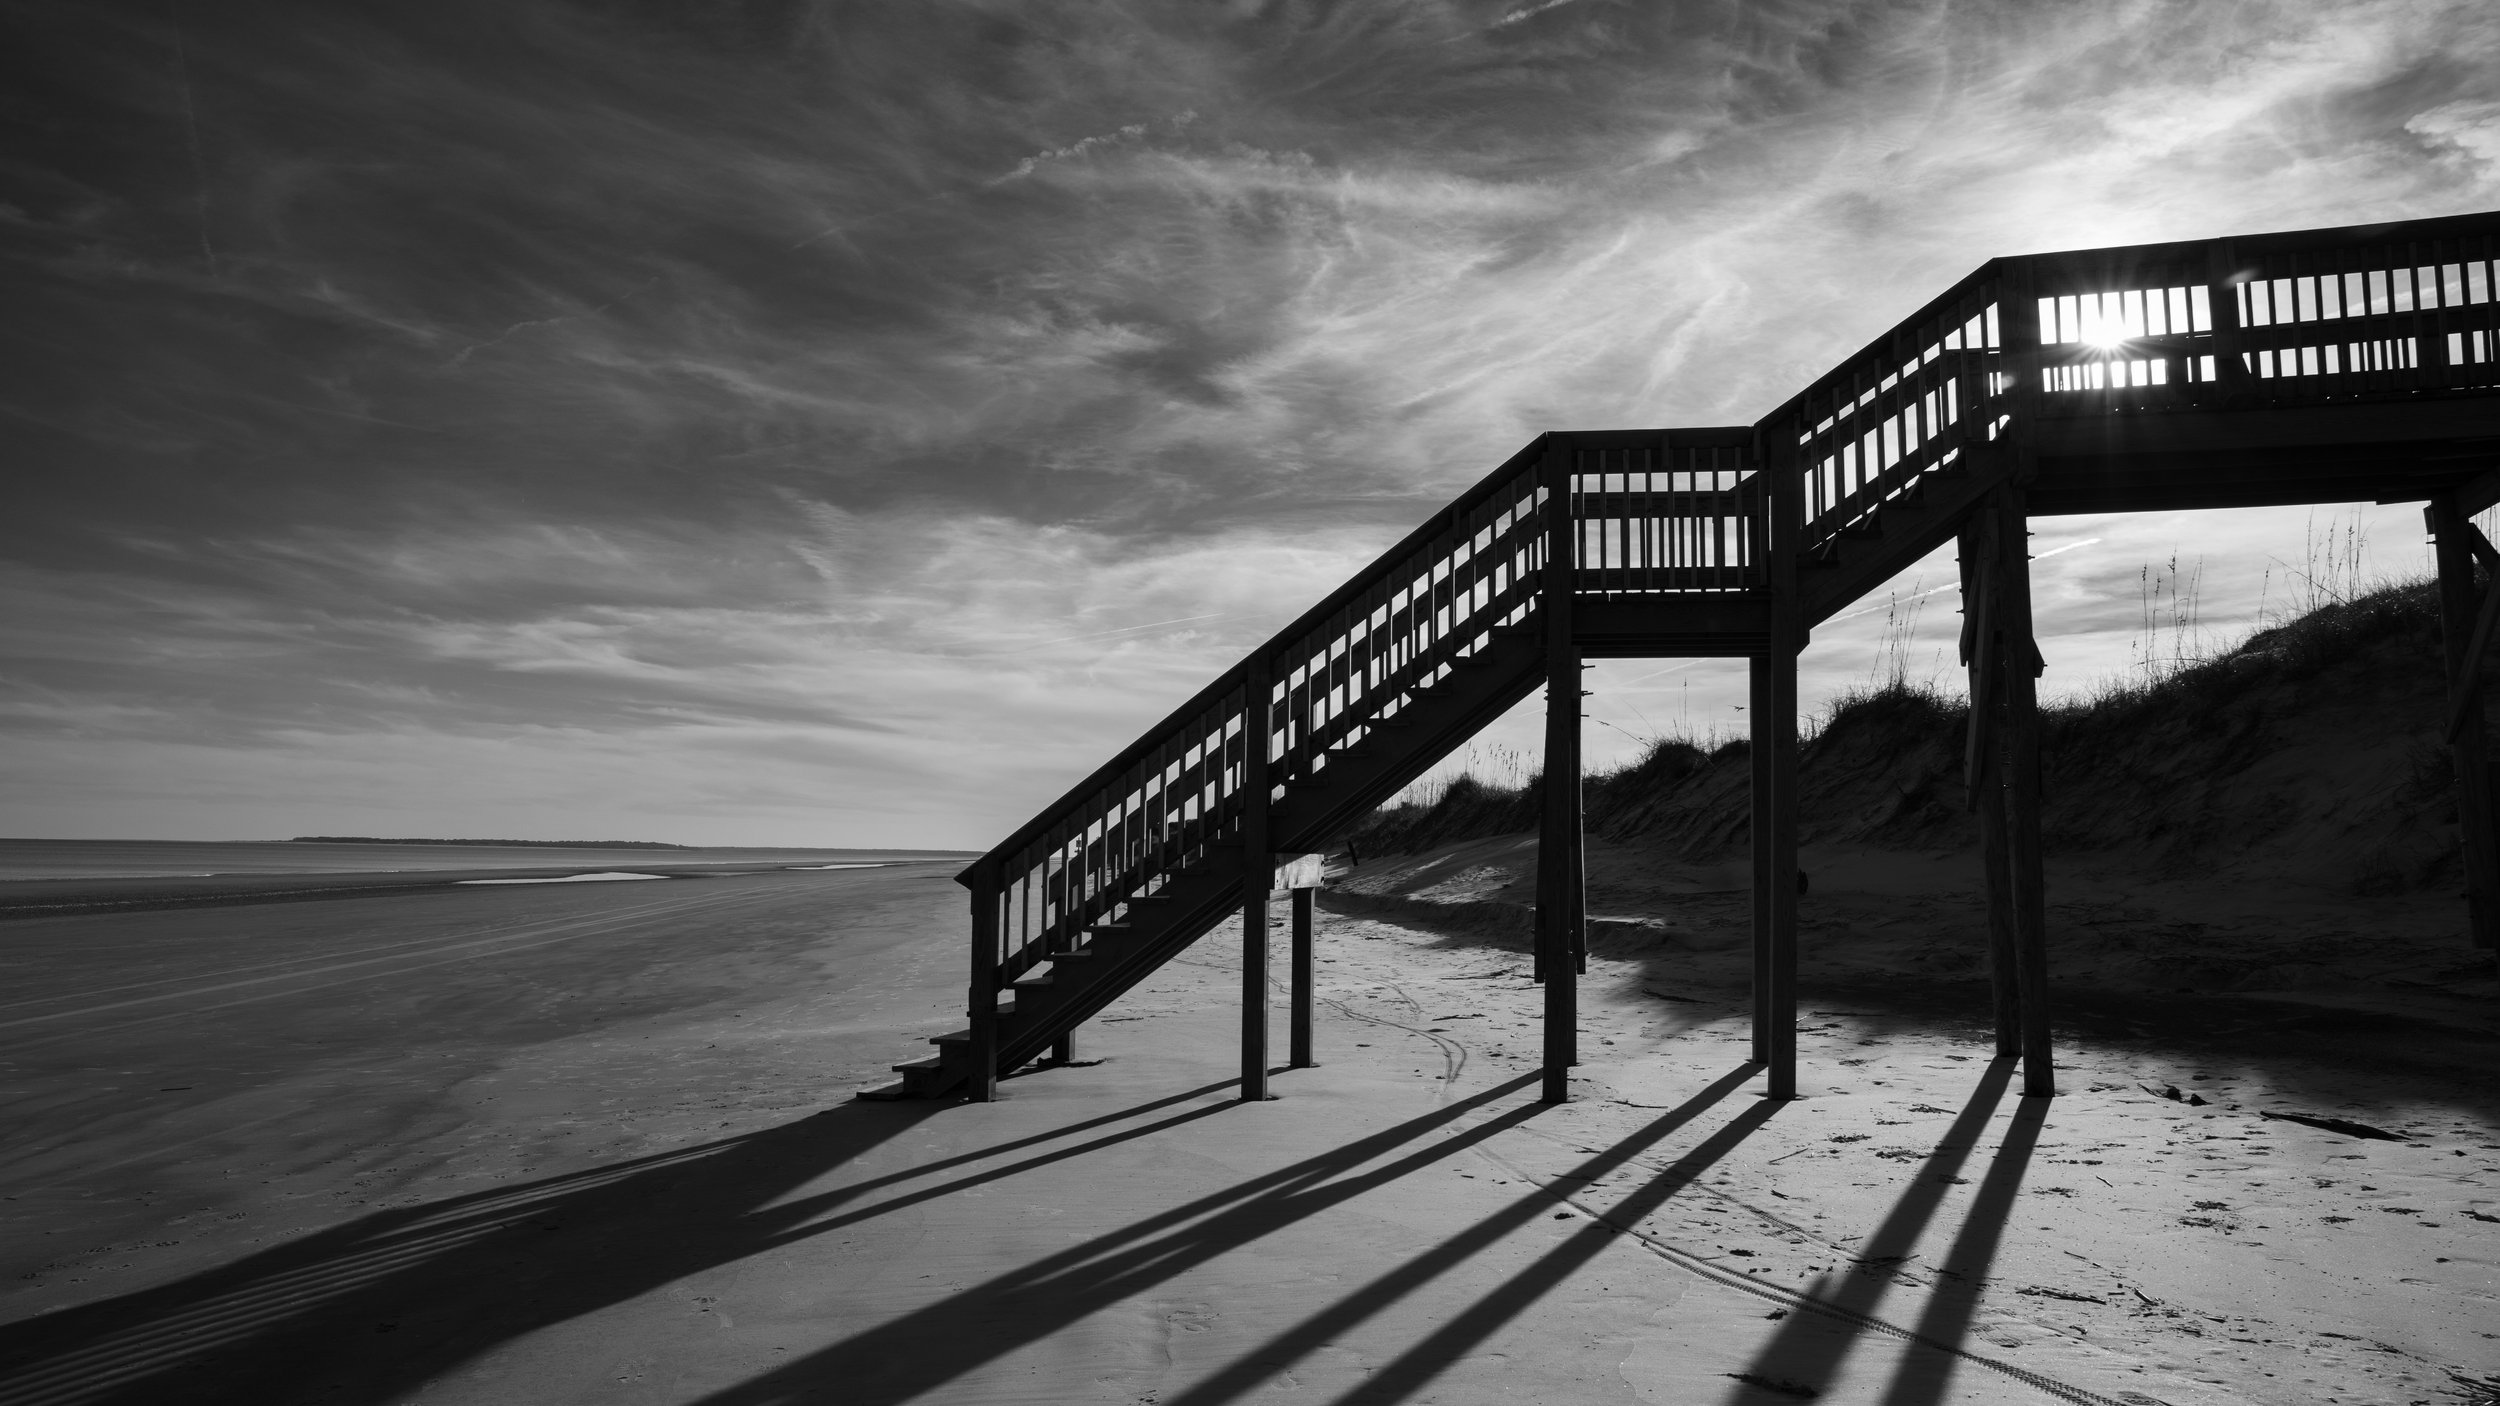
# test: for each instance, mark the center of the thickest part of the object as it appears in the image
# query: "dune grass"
(1900, 715)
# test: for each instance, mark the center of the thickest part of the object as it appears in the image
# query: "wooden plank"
(2391, 421)
(1716, 625)
(1692, 437)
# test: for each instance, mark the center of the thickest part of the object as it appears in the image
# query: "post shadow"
(922, 1351)
(1418, 1366)
(1922, 1378)
(1806, 1349)
(1427, 1359)
(456, 1278)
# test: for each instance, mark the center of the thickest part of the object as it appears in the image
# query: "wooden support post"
(2469, 747)
(1258, 874)
(981, 1005)
(1558, 868)
(2018, 664)
(1578, 893)
(1775, 735)
(1299, 1040)
(1758, 713)
(2017, 682)
(1063, 1049)
(1984, 773)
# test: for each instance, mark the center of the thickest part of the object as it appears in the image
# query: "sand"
(607, 1153)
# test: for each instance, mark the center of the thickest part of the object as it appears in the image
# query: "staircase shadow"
(370, 1310)
(922, 1351)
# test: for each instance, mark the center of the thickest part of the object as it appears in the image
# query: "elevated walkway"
(2324, 366)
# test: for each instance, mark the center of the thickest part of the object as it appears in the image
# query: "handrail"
(1231, 678)
(2293, 317)
(1187, 788)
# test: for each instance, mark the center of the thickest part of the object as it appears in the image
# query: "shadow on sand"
(1810, 1347)
(452, 1280)
(368, 1310)
(922, 1351)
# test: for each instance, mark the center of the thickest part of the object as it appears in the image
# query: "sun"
(2104, 333)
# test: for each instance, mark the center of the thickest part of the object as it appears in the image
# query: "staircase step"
(926, 1078)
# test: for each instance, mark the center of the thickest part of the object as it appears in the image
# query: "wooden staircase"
(1160, 919)
(2318, 366)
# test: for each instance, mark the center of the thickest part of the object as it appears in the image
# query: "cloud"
(876, 410)
(2467, 130)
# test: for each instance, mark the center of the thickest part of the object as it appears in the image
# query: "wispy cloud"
(740, 424)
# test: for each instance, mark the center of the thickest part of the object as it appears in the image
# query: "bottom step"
(922, 1078)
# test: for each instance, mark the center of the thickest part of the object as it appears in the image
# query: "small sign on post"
(1297, 871)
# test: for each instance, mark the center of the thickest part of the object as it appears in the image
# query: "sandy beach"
(607, 1151)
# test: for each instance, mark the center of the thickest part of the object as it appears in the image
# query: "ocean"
(135, 859)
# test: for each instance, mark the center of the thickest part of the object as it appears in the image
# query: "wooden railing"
(2287, 319)
(2273, 320)
(1921, 398)
(1317, 688)
(1655, 511)
(1651, 513)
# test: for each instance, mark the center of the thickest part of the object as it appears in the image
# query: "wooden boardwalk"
(2324, 366)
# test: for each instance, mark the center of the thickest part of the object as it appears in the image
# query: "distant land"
(551, 844)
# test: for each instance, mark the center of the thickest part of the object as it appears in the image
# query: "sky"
(849, 423)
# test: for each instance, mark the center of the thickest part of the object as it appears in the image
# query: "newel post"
(1560, 951)
(982, 1002)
